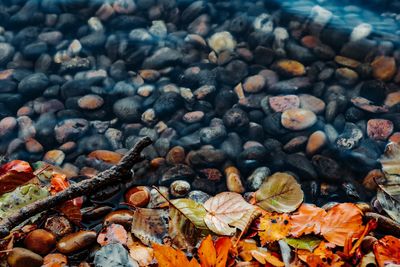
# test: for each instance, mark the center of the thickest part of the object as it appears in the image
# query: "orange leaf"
(58, 183)
(273, 227)
(306, 220)
(169, 257)
(323, 256)
(387, 250)
(13, 174)
(342, 221)
(214, 256)
(263, 256)
(72, 209)
(245, 247)
(207, 253)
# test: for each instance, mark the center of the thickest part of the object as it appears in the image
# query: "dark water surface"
(308, 87)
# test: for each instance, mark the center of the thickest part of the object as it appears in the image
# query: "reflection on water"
(309, 87)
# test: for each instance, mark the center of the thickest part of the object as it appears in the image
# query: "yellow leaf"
(274, 227)
(263, 256)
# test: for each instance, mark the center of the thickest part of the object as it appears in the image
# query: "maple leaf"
(306, 220)
(225, 210)
(168, 257)
(274, 227)
(211, 255)
(387, 250)
(342, 221)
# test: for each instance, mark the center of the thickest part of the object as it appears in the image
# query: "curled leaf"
(13, 174)
(305, 242)
(192, 210)
(150, 225)
(387, 250)
(279, 192)
(226, 210)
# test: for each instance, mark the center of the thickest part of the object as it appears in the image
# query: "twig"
(113, 175)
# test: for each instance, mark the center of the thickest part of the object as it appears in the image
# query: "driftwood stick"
(113, 175)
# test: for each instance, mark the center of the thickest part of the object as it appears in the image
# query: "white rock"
(158, 28)
(95, 24)
(263, 23)
(360, 31)
(222, 41)
(280, 35)
(321, 15)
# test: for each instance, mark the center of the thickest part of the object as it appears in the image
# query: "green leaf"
(280, 192)
(192, 210)
(13, 201)
(307, 242)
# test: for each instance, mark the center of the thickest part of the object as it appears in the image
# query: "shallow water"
(211, 77)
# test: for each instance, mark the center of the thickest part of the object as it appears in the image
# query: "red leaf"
(72, 211)
(14, 174)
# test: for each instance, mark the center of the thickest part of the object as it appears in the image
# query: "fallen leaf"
(113, 255)
(390, 204)
(342, 221)
(273, 227)
(285, 252)
(305, 242)
(279, 192)
(211, 255)
(72, 210)
(106, 156)
(13, 174)
(55, 260)
(113, 233)
(150, 225)
(226, 210)
(390, 159)
(13, 201)
(182, 231)
(323, 257)
(306, 220)
(387, 250)
(58, 183)
(263, 256)
(192, 210)
(142, 254)
(245, 247)
(168, 257)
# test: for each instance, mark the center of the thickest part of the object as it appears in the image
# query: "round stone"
(21, 257)
(192, 117)
(254, 84)
(290, 67)
(298, 119)
(312, 103)
(127, 109)
(315, 142)
(392, 99)
(90, 102)
(6, 53)
(76, 241)
(179, 188)
(33, 84)
(138, 196)
(346, 76)
(222, 41)
(40, 241)
(284, 102)
(379, 129)
(383, 68)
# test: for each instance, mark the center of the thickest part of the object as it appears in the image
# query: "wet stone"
(71, 129)
(58, 225)
(290, 68)
(328, 168)
(21, 257)
(236, 119)
(167, 104)
(127, 109)
(291, 85)
(346, 76)
(379, 129)
(383, 68)
(6, 53)
(312, 103)
(162, 58)
(177, 172)
(90, 102)
(179, 188)
(300, 165)
(222, 41)
(373, 90)
(33, 84)
(298, 119)
(254, 84)
(285, 102)
(315, 142)
(350, 137)
(40, 241)
(76, 241)
(392, 99)
(255, 180)
(212, 135)
(198, 196)
(138, 196)
(192, 117)
(204, 158)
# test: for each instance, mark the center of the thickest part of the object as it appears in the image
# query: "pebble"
(163, 57)
(6, 53)
(328, 168)
(192, 117)
(296, 144)
(255, 180)
(33, 85)
(106, 156)
(177, 172)
(21, 257)
(391, 100)
(179, 188)
(127, 109)
(175, 155)
(167, 104)
(284, 102)
(204, 158)
(346, 76)
(212, 135)
(138, 196)
(76, 241)
(383, 68)
(198, 196)
(312, 103)
(298, 119)
(233, 180)
(302, 166)
(33, 146)
(90, 102)
(55, 259)
(236, 119)
(347, 62)
(290, 68)
(350, 137)
(7, 126)
(379, 129)
(315, 142)
(40, 241)
(254, 84)
(122, 217)
(222, 41)
(55, 157)
(71, 129)
(291, 85)
(58, 225)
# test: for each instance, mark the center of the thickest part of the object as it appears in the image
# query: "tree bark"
(111, 176)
